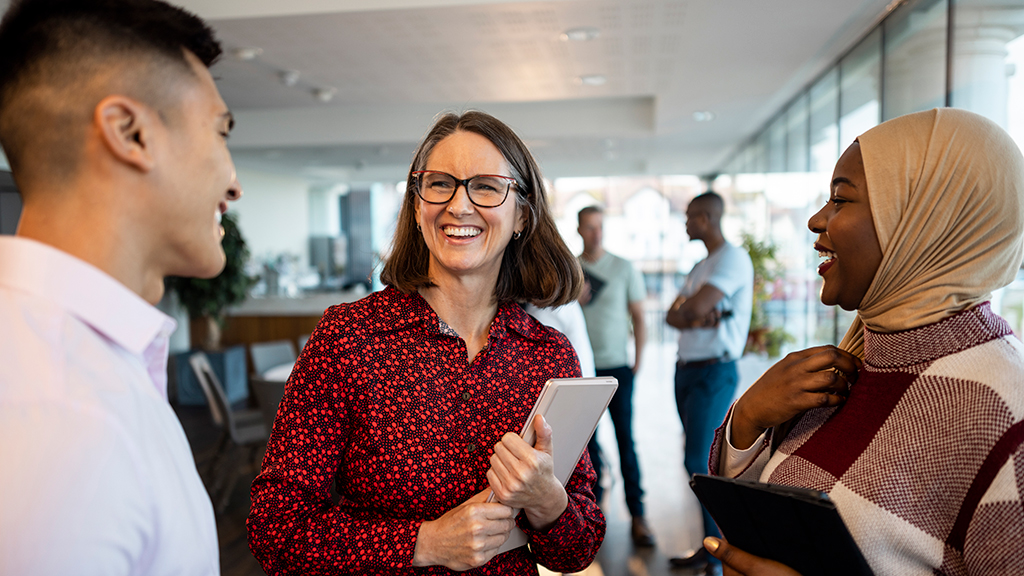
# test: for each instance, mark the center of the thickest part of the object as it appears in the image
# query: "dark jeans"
(621, 411)
(703, 396)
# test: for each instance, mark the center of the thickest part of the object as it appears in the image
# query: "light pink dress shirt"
(97, 475)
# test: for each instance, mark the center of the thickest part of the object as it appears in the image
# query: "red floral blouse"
(384, 404)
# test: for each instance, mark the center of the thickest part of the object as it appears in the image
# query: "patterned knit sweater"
(925, 461)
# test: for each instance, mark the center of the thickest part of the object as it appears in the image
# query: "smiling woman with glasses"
(408, 401)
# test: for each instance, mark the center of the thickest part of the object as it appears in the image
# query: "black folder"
(596, 284)
(798, 527)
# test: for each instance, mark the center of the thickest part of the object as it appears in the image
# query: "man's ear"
(126, 128)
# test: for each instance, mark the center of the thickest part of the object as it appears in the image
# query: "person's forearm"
(421, 555)
(543, 516)
(640, 337)
(744, 431)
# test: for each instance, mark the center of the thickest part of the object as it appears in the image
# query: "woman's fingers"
(826, 357)
(736, 561)
(466, 536)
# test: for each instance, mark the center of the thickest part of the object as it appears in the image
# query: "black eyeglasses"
(485, 190)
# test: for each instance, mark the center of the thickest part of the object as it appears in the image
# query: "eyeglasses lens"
(484, 191)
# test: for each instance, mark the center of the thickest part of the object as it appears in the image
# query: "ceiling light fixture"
(325, 94)
(592, 80)
(703, 116)
(581, 34)
(289, 77)
(247, 52)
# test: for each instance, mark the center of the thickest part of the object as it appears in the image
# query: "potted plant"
(763, 338)
(206, 299)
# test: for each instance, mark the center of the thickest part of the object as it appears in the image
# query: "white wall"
(273, 214)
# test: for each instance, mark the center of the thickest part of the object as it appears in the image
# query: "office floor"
(671, 508)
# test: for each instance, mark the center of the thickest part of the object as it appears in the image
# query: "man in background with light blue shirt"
(613, 297)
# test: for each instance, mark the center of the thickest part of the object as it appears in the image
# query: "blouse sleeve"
(725, 460)
(294, 526)
(571, 543)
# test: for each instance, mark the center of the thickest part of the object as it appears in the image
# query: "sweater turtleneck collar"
(961, 331)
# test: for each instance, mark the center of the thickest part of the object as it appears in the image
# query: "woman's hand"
(800, 381)
(466, 537)
(522, 476)
(736, 562)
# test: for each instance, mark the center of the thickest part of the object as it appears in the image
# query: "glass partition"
(859, 89)
(909, 62)
(797, 133)
(824, 120)
(915, 58)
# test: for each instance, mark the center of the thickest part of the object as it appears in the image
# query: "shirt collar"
(85, 291)
(398, 310)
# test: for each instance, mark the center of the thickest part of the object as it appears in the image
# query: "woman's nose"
(460, 204)
(817, 222)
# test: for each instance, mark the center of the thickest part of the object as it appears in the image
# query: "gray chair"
(242, 431)
(268, 394)
(302, 342)
(266, 355)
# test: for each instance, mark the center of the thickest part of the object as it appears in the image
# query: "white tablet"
(572, 407)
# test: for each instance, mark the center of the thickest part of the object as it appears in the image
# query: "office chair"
(241, 431)
(266, 355)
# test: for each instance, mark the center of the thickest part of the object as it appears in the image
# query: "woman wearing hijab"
(408, 402)
(923, 451)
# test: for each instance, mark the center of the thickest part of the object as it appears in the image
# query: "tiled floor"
(671, 507)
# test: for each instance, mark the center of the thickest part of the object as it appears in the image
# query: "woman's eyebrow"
(841, 180)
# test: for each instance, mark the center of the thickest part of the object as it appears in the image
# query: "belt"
(699, 363)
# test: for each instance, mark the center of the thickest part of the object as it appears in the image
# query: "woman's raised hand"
(522, 476)
(810, 378)
(466, 536)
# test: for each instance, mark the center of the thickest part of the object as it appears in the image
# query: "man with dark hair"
(116, 136)
(712, 313)
(612, 300)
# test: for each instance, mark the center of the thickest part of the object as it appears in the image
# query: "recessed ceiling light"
(325, 94)
(592, 80)
(703, 116)
(247, 52)
(289, 77)
(581, 34)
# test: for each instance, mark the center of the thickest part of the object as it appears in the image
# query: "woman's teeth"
(826, 254)
(461, 232)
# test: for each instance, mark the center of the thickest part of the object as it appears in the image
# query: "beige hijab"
(946, 190)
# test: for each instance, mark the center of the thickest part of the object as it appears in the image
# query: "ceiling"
(394, 64)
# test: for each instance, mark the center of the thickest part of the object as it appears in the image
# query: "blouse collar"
(400, 310)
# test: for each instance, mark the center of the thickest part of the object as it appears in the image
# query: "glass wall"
(915, 58)
(911, 61)
(780, 176)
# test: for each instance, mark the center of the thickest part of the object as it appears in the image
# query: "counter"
(278, 318)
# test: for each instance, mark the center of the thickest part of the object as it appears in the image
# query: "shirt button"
(465, 395)
(471, 447)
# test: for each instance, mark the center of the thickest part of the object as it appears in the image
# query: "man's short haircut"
(586, 211)
(713, 203)
(54, 53)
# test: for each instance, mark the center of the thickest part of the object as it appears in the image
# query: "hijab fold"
(945, 188)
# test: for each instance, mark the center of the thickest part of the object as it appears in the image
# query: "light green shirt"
(607, 313)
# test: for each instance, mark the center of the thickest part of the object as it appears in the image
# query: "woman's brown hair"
(537, 267)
